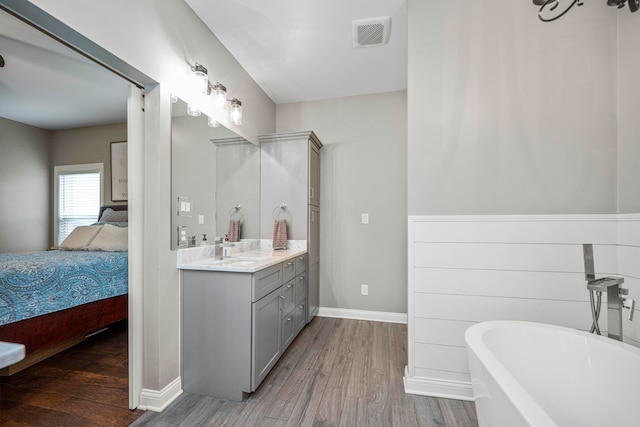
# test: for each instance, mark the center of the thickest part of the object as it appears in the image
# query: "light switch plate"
(201, 219)
(365, 218)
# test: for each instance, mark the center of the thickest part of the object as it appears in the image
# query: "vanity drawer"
(299, 317)
(288, 270)
(301, 263)
(300, 284)
(288, 297)
(265, 281)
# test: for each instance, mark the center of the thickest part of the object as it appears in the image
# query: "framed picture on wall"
(119, 179)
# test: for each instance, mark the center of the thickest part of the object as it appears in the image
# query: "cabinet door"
(313, 241)
(314, 175)
(288, 329)
(267, 315)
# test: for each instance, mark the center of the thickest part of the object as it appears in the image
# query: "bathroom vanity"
(239, 315)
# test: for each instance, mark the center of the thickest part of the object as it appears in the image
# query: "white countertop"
(246, 258)
(10, 353)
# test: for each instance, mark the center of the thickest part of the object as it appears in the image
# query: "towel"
(280, 234)
(234, 230)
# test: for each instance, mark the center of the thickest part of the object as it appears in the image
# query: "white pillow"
(80, 238)
(109, 215)
(111, 239)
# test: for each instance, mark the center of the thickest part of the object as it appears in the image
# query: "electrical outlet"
(365, 218)
(364, 289)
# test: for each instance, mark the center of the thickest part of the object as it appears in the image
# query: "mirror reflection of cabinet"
(212, 171)
(290, 174)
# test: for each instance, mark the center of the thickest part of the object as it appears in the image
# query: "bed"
(51, 300)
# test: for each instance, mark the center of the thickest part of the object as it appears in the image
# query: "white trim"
(374, 316)
(137, 137)
(437, 388)
(516, 218)
(157, 401)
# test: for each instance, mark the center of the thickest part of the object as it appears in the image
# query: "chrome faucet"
(615, 303)
(616, 300)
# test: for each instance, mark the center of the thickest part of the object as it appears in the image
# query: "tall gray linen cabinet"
(290, 189)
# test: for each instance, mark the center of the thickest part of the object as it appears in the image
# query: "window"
(78, 196)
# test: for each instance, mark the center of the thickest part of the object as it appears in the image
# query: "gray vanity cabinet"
(235, 326)
(290, 175)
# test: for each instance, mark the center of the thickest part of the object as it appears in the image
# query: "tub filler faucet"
(616, 300)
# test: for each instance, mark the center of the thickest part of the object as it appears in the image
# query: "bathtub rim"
(527, 406)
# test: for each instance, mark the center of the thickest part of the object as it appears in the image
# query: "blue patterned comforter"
(36, 283)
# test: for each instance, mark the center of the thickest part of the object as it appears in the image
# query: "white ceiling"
(302, 50)
(295, 50)
(48, 85)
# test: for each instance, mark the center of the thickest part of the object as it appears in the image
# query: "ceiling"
(296, 51)
(303, 50)
(47, 85)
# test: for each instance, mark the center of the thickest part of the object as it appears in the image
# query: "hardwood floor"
(336, 373)
(86, 385)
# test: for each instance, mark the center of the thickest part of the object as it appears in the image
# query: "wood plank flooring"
(336, 373)
(86, 385)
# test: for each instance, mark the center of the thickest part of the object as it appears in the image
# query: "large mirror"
(215, 181)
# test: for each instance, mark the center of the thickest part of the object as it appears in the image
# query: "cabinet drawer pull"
(289, 263)
(301, 278)
(289, 286)
(301, 306)
(288, 319)
(282, 296)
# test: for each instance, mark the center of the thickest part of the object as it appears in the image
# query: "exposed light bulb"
(193, 111)
(235, 115)
(200, 74)
(220, 96)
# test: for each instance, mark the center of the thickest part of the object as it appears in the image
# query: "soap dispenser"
(204, 240)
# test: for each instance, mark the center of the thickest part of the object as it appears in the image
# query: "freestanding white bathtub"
(532, 374)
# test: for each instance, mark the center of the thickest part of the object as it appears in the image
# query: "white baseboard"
(437, 388)
(374, 316)
(154, 400)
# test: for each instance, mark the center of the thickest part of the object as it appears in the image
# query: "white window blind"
(78, 201)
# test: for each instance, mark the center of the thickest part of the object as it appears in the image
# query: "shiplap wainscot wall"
(469, 269)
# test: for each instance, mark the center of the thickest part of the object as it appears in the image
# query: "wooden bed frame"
(49, 334)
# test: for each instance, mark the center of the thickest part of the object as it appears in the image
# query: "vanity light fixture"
(193, 111)
(201, 75)
(213, 122)
(220, 96)
(235, 114)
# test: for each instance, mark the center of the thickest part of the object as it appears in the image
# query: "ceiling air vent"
(371, 32)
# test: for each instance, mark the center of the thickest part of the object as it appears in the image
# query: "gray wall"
(90, 144)
(24, 187)
(363, 170)
(238, 183)
(509, 115)
(628, 105)
(193, 176)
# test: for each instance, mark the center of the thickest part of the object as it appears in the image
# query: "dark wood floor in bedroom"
(86, 385)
